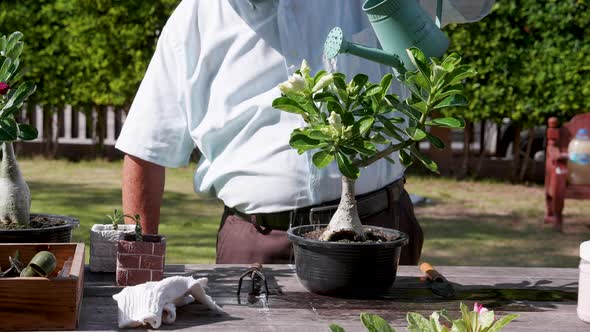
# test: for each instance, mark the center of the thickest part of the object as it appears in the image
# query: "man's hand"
(143, 187)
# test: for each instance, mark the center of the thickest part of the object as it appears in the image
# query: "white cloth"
(211, 83)
(155, 302)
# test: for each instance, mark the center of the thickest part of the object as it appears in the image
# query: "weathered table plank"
(544, 297)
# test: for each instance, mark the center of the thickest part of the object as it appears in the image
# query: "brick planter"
(103, 246)
(139, 262)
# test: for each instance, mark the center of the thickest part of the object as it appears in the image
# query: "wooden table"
(544, 297)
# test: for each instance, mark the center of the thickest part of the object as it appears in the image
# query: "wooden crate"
(42, 303)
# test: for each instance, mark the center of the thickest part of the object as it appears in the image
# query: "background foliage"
(532, 59)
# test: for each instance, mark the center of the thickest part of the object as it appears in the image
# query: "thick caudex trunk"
(15, 197)
(345, 223)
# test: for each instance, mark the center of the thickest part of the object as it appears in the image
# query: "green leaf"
(460, 326)
(357, 83)
(486, 319)
(419, 60)
(22, 92)
(303, 143)
(374, 323)
(364, 147)
(405, 109)
(335, 107)
(447, 122)
(8, 130)
(390, 129)
(417, 322)
(318, 76)
(416, 134)
(318, 135)
(365, 123)
(435, 141)
(452, 90)
(426, 161)
(4, 74)
(372, 90)
(385, 84)
(452, 101)
(336, 328)
(16, 50)
(339, 81)
(322, 159)
(391, 161)
(379, 139)
(325, 96)
(288, 105)
(405, 158)
(27, 132)
(459, 74)
(346, 167)
(500, 323)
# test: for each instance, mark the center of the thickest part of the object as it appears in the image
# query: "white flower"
(323, 82)
(335, 121)
(305, 69)
(295, 84)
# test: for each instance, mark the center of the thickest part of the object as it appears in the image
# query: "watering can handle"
(439, 6)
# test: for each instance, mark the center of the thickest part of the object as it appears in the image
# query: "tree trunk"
(529, 145)
(515, 153)
(467, 134)
(15, 197)
(345, 222)
(481, 154)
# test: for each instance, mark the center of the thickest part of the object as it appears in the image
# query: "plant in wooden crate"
(16, 220)
(103, 242)
(140, 257)
(41, 286)
(355, 125)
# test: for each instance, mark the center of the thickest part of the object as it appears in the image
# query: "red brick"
(159, 249)
(121, 277)
(128, 261)
(152, 262)
(134, 247)
(136, 277)
(157, 275)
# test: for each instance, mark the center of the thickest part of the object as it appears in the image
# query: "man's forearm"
(143, 187)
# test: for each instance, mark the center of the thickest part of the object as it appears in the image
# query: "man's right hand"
(143, 187)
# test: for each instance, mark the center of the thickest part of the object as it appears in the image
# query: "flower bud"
(335, 121)
(4, 87)
(305, 69)
(323, 82)
(295, 84)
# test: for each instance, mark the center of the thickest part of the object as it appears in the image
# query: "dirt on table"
(373, 236)
(36, 222)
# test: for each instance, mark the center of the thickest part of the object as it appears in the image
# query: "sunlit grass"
(467, 223)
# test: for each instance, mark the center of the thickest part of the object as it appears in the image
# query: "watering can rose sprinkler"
(353, 123)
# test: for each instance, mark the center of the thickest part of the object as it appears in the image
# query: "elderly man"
(210, 85)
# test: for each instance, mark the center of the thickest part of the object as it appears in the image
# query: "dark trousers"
(242, 242)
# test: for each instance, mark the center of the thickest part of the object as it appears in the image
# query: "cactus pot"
(140, 261)
(357, 269)
(53, 234)
(103, 246)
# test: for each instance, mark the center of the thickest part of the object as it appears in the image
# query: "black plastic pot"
(346, 269)
(55, 234)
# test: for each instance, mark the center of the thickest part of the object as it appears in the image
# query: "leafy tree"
(531, 58)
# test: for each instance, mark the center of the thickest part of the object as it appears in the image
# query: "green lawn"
(468, 223)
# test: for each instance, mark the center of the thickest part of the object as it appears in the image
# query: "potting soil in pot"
(373, 236)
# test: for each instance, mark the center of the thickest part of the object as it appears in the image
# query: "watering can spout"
(399, 25)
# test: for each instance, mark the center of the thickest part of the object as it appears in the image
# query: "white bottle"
(579, 158)
(584, 284)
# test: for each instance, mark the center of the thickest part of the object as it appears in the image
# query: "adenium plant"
(15, 196)
(478, 320)
(355, 124)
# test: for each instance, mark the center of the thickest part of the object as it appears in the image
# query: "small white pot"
(103, 246)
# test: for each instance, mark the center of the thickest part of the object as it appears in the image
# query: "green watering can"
(398, 24)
